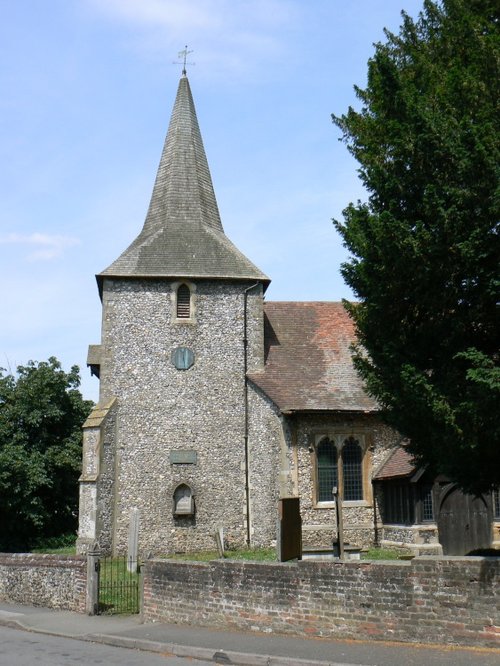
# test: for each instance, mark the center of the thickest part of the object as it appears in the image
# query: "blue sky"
(87, 90)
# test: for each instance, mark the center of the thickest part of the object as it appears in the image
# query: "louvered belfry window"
(183, 302)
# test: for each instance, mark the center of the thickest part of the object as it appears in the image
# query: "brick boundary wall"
(454, 600)
(52, 581)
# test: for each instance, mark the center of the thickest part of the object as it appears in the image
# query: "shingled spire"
(183, 234)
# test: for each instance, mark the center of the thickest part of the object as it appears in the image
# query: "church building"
(215, 403)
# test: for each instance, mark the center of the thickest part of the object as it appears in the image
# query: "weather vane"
(183, 56)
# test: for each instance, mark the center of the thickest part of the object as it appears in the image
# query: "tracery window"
(340, 462)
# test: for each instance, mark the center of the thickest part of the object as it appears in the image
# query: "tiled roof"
(399, 464)
(308, 365)
(183, 235)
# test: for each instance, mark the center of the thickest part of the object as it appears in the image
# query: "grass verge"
(376, 553)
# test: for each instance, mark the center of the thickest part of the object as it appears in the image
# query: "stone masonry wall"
(266, 446)
(52, 581)
(434, 600)
(162, 409)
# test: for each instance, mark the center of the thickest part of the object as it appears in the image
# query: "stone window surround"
(338, 436)
(191, 320)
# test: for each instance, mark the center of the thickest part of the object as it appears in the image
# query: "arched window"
(327, 469)
(341, 459)
(183, 302)
(352, 458)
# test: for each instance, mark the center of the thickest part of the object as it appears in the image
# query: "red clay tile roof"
(399, 464)
(308, 365)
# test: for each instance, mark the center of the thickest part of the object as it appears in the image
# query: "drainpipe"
(245, 400)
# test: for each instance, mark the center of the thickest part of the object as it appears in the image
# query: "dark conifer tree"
(424, 247)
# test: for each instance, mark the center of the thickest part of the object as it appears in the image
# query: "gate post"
(92, 597)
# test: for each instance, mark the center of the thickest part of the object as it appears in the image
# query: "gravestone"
(219, 540)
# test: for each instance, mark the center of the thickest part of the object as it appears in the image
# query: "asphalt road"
(43, 639)
(23, 648)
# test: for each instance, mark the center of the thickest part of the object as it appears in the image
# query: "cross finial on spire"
(183, 55)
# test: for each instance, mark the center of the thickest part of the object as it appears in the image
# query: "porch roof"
(399, 464)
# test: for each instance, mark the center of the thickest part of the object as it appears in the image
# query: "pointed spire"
(183, 235)
(183, 191)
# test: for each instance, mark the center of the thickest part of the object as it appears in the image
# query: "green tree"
(41, 415)
(424, 247)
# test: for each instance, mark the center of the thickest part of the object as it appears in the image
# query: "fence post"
(92, 601)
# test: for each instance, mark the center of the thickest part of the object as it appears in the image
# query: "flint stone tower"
(182, 325)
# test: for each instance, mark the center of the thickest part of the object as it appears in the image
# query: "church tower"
(182, 325)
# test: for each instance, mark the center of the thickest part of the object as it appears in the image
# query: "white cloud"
(197, 14)
(46, 246)
(170, 13)
(234, 35)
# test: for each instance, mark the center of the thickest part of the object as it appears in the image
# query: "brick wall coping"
(421, 559)
(41, 560)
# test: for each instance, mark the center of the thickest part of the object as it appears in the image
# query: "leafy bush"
(41, 417)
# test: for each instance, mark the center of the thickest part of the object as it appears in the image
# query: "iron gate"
(118, 585)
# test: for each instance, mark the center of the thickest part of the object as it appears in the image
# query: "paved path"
(236, 647)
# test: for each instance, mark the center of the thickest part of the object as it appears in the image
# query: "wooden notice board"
(289, 529)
